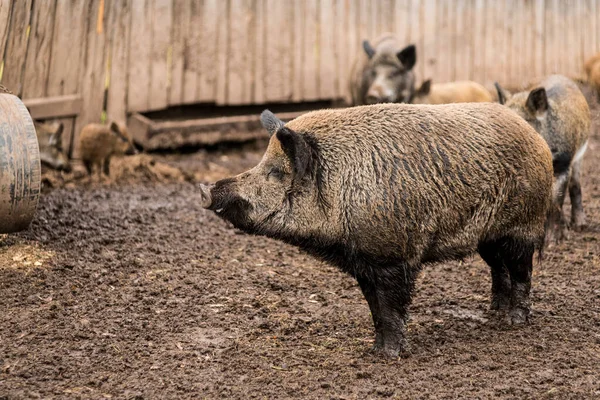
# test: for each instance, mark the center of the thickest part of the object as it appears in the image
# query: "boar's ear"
(114, 127)
(270, 122)
(59, 129)
(297, 150)
(408, 56)
(368, 49)
(503, 95)
(537, 102)
(424, 89)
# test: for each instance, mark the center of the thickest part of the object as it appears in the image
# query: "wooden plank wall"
(153, 54)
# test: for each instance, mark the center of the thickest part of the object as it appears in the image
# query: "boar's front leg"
(388, 292)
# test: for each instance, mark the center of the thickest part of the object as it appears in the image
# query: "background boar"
(451, 92)
(592, 70)
(559, 112)
(383, 73)
(98, 143)
(381, 190)
(49, 137)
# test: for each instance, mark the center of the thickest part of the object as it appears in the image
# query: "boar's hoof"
(500, 303)
(400, 349)
(578, 222)
(205, 197)
(517, 316)
(556, 236)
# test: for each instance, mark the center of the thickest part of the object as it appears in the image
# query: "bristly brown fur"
(391, 187)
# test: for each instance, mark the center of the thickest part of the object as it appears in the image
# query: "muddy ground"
(128, 289)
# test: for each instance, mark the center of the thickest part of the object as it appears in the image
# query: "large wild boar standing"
(559, 112)
(382, 190)
(451, 92)
(49, 137)
(383, 73)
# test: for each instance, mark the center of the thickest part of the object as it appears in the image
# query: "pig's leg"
(577, 214)
(88, 167)
(389, 293)
(517, 255)
(501, 284)
(107, 166)
(556, 219)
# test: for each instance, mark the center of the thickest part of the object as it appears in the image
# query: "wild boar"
(559, 112)
(451, 92)
(98, 143)
(381, 190)
(592, 70)
(49, 137)
(383, 73)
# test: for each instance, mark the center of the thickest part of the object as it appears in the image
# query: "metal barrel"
(20, 169)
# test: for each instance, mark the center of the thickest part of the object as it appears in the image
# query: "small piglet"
(98, 143)
(382, 190)
(49, 135)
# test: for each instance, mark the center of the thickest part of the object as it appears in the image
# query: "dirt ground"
(130, 290)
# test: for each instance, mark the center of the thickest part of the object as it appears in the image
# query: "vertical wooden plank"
(119, 27)
(5, 10)
(179, 26)
(68, 56)
(539, 38)
(38, 49)
(213, 33)
(443, 42)
(415, 36)
(311, 51)
(327, 48)
(93, 70)
(16, 46)
(402, 21)
(478, 50)
(428, 54)
(258, 66)
(193, 52)
(462, 42)
(386, 12)
(140, 44)
(278, 71)
(352, 45)
(341, 32)
(223, 16)
(239, 52)
(162, 14)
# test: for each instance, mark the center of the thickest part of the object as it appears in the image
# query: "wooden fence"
(60, 55)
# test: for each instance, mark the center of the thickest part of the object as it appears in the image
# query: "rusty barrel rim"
(20, 168)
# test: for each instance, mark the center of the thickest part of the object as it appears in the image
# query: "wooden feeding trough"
(20, 170)
(160, 133)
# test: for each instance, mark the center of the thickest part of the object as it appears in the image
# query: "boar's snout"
(205, 196)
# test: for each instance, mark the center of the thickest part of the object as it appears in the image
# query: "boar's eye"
(275, 175)
(394, 74)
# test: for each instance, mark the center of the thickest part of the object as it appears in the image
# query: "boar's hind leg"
(516, 256)
(577, 214)
(556, 220)
(388, 294)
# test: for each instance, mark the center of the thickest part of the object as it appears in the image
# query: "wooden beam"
(153, 135)
(54, 107)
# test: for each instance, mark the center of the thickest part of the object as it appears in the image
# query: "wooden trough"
(154, 134)
(20, 170)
